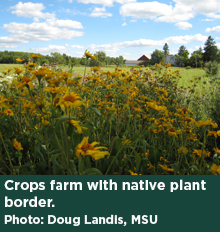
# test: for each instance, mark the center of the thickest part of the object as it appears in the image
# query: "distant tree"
(182, 57)
(210, 49)
(166, 49)
(181, 50)
(101, 56)
(122, 60)
(180, 61)
(196, 59)
(66, 58)
(157, 56)
(57, 57)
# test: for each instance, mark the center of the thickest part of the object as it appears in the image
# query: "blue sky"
(118, 27)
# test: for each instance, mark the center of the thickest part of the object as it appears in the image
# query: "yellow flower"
(173, 132)
(17, 145)
(215, 169)
(9, 112)
(124, 157)
(147, 154)
(78, 127)
(215, 133)
(199, 152)
(18, 70)
(182, 150)
(89, 55)
(207, 122)
(217, 150)
(133, 173)
(84, 148)
(71, 100)
(19, 60)
(44, 122)
(35, 56)
(164, 167)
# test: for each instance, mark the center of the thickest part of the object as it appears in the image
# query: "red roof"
(144, 58)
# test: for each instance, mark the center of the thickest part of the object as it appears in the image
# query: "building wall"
(171, 59)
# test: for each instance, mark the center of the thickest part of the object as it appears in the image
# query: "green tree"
(180, 61)
(166, 49)
(182, 49)
(57, 57)
(157, 56)
(196, 59)
(182, 57)
(210, 49)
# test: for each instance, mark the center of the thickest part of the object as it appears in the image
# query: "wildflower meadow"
(125, 122)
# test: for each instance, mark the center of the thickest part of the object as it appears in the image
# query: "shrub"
(145, 63)
(211, 68)
(188, 67)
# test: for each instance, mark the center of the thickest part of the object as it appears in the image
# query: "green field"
(188, 75)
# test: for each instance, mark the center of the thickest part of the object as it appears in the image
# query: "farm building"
(171, 59)
(135, 62)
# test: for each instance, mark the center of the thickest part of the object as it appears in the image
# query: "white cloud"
(105, 2)
(209, 8)
(217, 38)
(183, 25)
(207, 20)
(158, 11)
(50, 48)
(77, 46)
(39, 31)
(186, 39)
(144, 9)
(64, 23)
(179, 13)
(126, 55)
(133, 21)
(124, 24)
(30, 10)
(214, 29)
(100, 12)
(183, 10)
(141, 43)
(10, 41)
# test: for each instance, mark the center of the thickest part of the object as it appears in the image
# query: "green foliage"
(157, 56)
(211, 68)
(180, 61)
(188, 67)
(182, 57)
(182, 49)
(196, 59)
(211, 50)
(145, 63)
(166, 49)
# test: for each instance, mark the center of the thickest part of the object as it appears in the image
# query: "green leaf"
(175, 166)
(73, 167)
(88, 162)
(92, 171)
(55, 114)
(95, 110)
(64, 118)
(39, 130)
(138, 161)
(194, 167)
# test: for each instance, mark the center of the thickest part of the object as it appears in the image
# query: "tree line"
(9, 57)
(197, 59)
